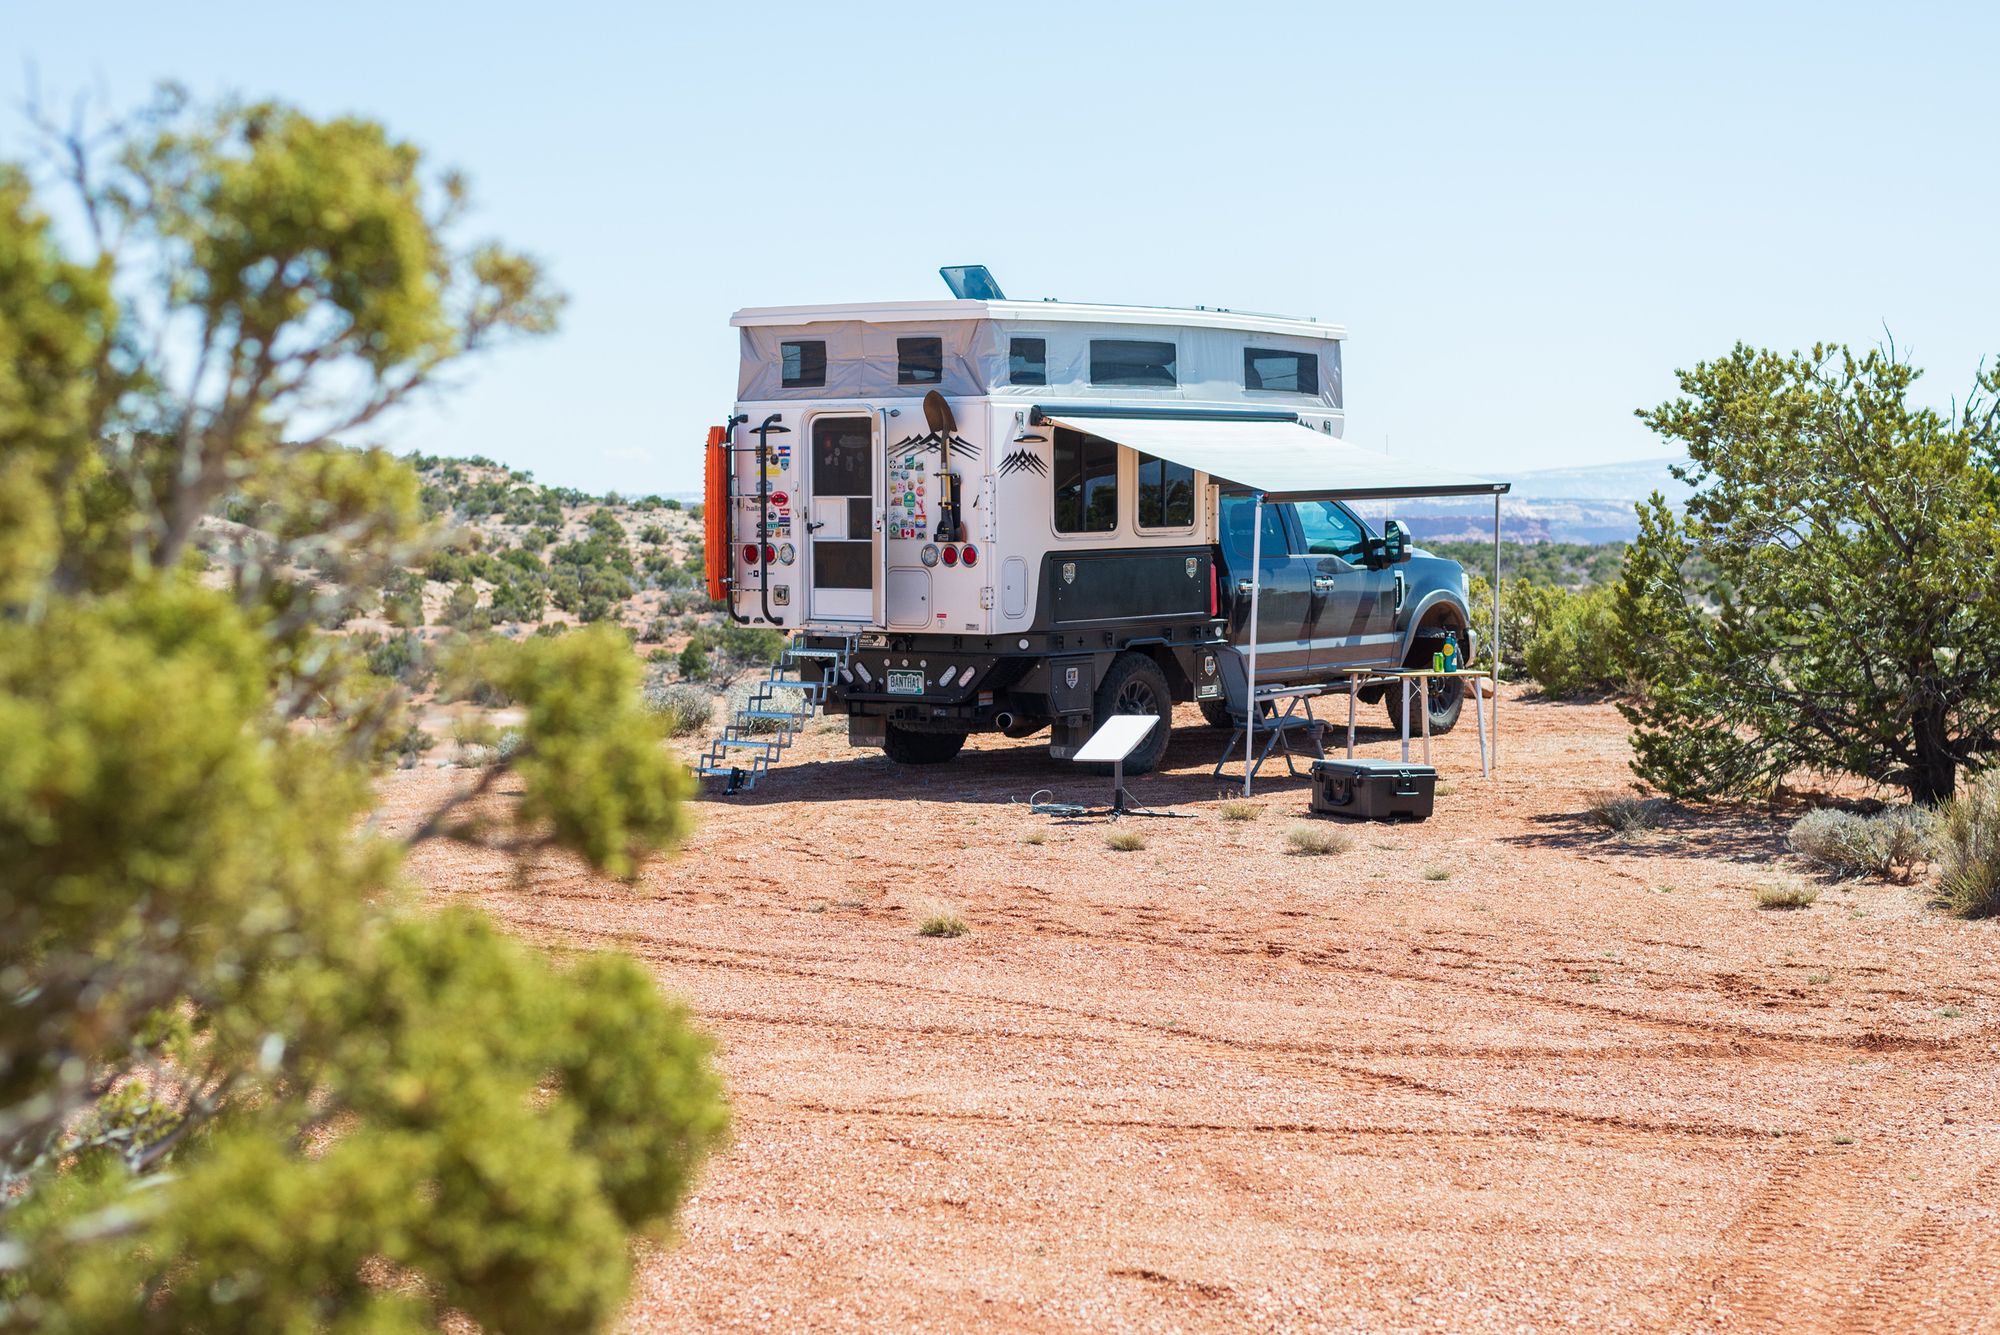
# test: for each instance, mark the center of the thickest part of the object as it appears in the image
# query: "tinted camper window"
(1126, 361)
(1166, 494)
(1280, 372)
(919, 361)
(1086, 483)
(804, 364)
(1027, 361)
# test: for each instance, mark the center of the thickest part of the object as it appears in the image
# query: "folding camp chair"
(1274, 728)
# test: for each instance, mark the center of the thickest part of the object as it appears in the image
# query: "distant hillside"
(1588, 504)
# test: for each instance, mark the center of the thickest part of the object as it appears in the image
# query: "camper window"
(1126, 361)
(1278, 372)
(1166, 494)
(804, 364)
(1086, 482)
(1027, 361)
(919, 361)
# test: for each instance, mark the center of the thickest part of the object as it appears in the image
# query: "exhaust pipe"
(1003, 720)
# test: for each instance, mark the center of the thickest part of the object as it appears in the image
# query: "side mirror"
(1396, 542)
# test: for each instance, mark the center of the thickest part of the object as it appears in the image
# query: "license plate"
(906, 683)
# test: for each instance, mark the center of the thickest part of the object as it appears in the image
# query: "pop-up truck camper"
(982, 515)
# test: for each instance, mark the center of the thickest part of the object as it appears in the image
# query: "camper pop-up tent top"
(1012, 515)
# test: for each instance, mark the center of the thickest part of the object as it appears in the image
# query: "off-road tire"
(921, 748)
(1216, 714)
(1446, 696)
(1134, 684)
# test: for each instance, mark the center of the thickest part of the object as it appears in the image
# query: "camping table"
(1422, 676)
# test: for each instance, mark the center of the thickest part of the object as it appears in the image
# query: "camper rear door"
(839, 539)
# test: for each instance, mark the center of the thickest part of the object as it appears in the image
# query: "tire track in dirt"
(1305, 1064)
(1807, 1252)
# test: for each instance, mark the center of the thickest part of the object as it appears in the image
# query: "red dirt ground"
(1583, 1082)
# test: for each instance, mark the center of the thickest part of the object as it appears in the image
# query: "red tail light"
(749, 553)
(770, 553)
(1214, 594)
(949, 556)
(971, 554)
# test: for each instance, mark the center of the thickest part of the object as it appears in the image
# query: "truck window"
(802, 364)
(1166, 494)
(1086, 483)
(1274, 371)
(1331, 531)
(919, 361)
(1235, 522)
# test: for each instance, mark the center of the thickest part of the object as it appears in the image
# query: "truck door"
(1284, 648)
(839, 535)
(1353, 607)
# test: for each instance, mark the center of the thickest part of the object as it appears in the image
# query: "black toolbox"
(1373, 789)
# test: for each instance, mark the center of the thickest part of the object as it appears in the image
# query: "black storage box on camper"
(1373, 789)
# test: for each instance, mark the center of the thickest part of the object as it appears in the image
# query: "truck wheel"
(1447, 698)
(1216, 714)
(1135, 685)
(921, 748)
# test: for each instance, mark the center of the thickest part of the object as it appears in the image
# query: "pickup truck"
(1336, 596)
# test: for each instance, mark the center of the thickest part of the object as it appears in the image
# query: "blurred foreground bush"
(242, 1088)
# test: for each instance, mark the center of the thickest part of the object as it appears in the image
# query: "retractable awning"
(1276, 458)
(1283, 460)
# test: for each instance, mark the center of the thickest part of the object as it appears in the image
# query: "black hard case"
(1373, 789)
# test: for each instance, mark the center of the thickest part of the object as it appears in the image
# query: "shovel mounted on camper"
(937, 415)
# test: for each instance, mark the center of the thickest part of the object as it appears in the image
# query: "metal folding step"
(749, 727)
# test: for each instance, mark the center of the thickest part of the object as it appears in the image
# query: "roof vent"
(971, 282)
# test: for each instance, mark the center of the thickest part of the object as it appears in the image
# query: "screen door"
(840, 536)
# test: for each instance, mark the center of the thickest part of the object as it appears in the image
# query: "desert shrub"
(1035, 838)
(405, 658)
(942, 923)
(1437, 872)
(654, 534)
(747, 644)
(1785, 894)
(410, 745)
(1124, 841)
(1623, 813)
(1570, 644)
(1846, 843)
(1968, 848)
(681, 709)
(1236, 809)
(1317, 841)
(693, 661)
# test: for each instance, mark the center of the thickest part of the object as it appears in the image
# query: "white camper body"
(845, 494)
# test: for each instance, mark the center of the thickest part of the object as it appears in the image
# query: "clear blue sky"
(1527, 219)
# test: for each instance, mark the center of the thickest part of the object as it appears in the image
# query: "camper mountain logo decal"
(1023, 461)
(929, 442)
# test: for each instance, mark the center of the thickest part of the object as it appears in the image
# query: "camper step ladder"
(777, 710)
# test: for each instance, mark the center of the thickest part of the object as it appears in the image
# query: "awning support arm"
(1493, 750)
(1250, 670)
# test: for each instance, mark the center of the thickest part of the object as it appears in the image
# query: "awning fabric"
(1284, 460)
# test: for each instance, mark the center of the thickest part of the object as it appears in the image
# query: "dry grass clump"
(1846, 843)
(1035, 837)
(1623, 813)
(1317, 841)
(681, 709)
(942, 922)
(1124, 841)
(1968, 848)
(1236, 809)
(1437, 873)
(1786, 894)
